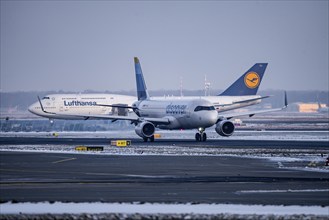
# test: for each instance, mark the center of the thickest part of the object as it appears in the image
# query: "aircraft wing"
(243, 101)
(252, 113)
(133, 118)
(250, 100)
(156, 120)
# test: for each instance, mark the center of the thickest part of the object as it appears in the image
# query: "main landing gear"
(201, 135)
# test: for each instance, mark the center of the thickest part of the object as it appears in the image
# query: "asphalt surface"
(160, 142)
(36, 177)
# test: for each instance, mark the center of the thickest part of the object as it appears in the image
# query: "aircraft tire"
(145, 139)
(197, 137)
(152, 138)
(204, 136)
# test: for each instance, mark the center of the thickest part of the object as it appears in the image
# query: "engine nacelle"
(145, 129)
(225, 128)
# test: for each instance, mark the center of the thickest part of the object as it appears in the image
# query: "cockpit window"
(46, 97)
(204, 108)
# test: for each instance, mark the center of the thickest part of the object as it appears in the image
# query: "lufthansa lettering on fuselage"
(79, 103)
(176, 109)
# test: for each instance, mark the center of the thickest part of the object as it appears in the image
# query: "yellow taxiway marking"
(61, 161)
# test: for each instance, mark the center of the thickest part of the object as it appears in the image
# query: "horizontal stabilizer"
(243, 101)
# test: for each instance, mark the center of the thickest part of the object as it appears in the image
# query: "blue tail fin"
(142, 93)
(248, 83)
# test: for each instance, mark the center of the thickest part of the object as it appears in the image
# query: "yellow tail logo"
(251, 80)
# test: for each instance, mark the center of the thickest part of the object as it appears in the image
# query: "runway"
(39, 177)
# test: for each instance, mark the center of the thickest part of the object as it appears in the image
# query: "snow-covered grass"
(158, 208)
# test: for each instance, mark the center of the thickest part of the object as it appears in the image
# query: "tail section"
(248, 83)
(142, 93)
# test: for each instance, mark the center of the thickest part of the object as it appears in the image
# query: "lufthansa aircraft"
(56, 106)
(241, 93)
(167, 114)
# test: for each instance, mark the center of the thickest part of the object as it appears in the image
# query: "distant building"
(304, 107)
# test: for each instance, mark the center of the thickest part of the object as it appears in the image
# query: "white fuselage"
(62, 104)
(71, 104)
(182, 114)
(221, 103)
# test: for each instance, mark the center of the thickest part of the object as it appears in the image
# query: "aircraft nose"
(32, 108)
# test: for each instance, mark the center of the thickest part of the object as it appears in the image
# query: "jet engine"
(225, 128)
(145, 129)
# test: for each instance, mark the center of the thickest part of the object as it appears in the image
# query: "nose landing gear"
(201, 135)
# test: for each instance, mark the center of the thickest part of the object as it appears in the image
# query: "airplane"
(80, 104)
(169, 114)
(241, 93)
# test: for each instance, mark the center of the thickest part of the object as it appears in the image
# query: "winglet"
(285, 99)
(41, 105)
(142, 93)
(248, 83)
(43, 108)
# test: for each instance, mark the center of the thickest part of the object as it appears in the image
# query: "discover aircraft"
(168, 114)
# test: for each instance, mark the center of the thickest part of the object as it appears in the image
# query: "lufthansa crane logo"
(251, 80)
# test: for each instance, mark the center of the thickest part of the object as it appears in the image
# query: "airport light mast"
(181, 86)
(206, 86)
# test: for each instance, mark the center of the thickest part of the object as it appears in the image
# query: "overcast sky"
(81, 45)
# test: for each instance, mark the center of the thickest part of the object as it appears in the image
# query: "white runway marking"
(64, 160)
(283, 191)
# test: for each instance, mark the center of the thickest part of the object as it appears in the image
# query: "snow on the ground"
(157, 208)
